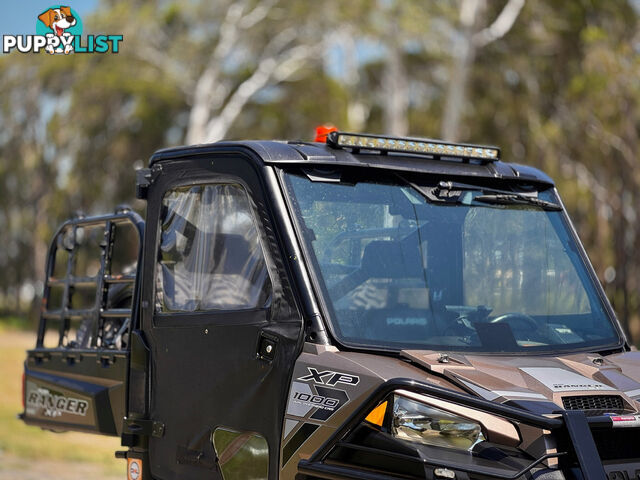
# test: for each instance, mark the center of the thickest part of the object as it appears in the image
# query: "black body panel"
(321, 155)
(53, 376)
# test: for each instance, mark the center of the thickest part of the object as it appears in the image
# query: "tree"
(470, 39)
(570, 106)
(554, 84)
(28, 170)
(217, 102)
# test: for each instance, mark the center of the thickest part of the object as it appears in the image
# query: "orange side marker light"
(377, 414)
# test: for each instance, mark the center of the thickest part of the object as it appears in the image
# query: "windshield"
(418, 267)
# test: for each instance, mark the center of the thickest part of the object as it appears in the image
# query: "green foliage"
(14, 322)
(558, 91)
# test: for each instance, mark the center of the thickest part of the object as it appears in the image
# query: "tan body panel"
(498, 378)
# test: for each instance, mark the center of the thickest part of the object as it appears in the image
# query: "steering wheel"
(517, 318)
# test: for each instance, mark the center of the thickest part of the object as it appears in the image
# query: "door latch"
(149, 428)
(267, 346)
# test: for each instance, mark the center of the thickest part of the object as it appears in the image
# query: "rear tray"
(75, 390)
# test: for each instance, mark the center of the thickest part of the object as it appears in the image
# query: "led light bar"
(436, 148)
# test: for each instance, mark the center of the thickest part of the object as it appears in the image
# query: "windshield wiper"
(449, 192)
(493, 196)
(517, 199)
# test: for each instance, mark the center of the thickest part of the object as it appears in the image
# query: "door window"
(210, 256)
(241, 455)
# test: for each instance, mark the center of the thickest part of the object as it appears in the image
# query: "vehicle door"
(220, 322)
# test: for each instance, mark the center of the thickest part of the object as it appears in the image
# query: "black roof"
(319, 154)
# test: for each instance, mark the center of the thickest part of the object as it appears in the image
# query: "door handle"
(267, 347)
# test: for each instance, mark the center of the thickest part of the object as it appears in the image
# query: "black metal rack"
(67, 238)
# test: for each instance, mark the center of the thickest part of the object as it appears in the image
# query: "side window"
(210, 256)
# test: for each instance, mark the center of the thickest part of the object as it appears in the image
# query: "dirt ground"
(17, 468)
(28, 453)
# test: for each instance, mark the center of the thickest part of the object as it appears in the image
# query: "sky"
(24, 14)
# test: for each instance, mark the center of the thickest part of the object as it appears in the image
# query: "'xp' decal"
(329, 377)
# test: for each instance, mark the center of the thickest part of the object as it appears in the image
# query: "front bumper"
(587, 448)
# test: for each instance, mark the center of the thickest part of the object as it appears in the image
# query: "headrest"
(232, 252)
(226, 253)
(389, 259)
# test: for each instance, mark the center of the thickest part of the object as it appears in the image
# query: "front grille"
(594, 402)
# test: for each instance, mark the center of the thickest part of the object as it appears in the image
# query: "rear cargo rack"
(101, 285)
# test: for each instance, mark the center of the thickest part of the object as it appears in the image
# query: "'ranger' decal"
(332, 378)
(561, 380)
(55, 405)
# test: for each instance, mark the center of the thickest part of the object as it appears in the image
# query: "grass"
(27, 442)
(14, 322)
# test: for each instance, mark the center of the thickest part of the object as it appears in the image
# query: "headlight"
(417, 422)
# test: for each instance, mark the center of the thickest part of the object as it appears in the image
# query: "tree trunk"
(357, 110)
(456, 95)
(465, 54)
(396, 93)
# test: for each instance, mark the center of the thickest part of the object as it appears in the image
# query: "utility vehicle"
(368, 307)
